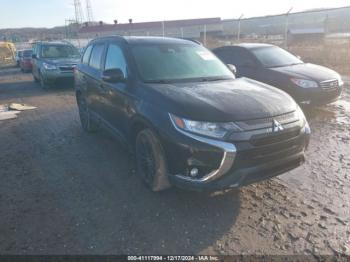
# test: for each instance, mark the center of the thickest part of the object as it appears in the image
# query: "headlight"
(302, 118)
(49, 66)
(340, 81)
(216, 130)
(304, 83)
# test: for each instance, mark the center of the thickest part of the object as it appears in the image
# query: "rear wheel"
(88, 124)
(150, 160)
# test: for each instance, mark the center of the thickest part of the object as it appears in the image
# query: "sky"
(50, 13)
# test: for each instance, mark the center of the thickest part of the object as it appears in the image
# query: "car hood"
(63, 61)
(228, 100)
(308, 71)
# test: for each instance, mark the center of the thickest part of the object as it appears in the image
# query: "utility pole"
(205, 35)
(89, 12)
(286, 28)
(239, 28)
(163, 28)
(130, 23)
(79, 15)
(326, 22)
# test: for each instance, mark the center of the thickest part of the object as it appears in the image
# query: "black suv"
(188, 120)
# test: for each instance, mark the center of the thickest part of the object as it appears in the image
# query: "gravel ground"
(63, 191)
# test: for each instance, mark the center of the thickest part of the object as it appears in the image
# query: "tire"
(36, 80)
(150, 160)
(87, 123)
(43, 83)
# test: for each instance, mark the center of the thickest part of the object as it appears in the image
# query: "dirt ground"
(63, 191)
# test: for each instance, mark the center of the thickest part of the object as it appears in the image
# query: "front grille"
(266, 123)
(274, 138)
(280, 118)
(260, 143)
(252, 155)
(330, 84)
(67, 68)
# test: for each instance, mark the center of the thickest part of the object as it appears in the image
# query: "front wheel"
(150, 160)
(36, 80)
(88, 124)
(43, 83)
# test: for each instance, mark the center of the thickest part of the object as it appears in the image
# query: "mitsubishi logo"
(276, 127)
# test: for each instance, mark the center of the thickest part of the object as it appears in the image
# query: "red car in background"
(25, 61)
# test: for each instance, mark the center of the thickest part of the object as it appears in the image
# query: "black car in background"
(307, 83)
(186, 117)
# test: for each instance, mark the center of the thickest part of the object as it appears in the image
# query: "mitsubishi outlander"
(189, 122)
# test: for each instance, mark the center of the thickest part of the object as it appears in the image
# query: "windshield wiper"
(212, 79)
(296, 64)
(159, 81)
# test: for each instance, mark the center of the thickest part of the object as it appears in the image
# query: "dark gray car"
(307, 83)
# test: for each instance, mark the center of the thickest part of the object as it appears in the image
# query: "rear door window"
(96, 56)
(241, 57)
(235, 56)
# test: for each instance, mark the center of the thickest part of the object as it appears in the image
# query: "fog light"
(194, 172)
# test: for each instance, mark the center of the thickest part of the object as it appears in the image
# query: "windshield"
(275, 57)
(178, 62)
(59, 51)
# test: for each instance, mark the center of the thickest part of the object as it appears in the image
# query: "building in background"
(192, 28)
(306, 35)
(330, 20)
(313, 24)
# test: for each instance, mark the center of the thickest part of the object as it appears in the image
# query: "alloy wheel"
(145, 159)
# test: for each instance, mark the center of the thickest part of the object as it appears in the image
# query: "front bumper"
(243, 176)
(225, 165)
(54, 76)
(317, 96)
(26, 65)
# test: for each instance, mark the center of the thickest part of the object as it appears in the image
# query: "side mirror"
(232, 68)
(113, 76)
(34, 56)
(299, 57)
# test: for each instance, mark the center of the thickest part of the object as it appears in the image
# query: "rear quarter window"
(87, 54)
(235, 56)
